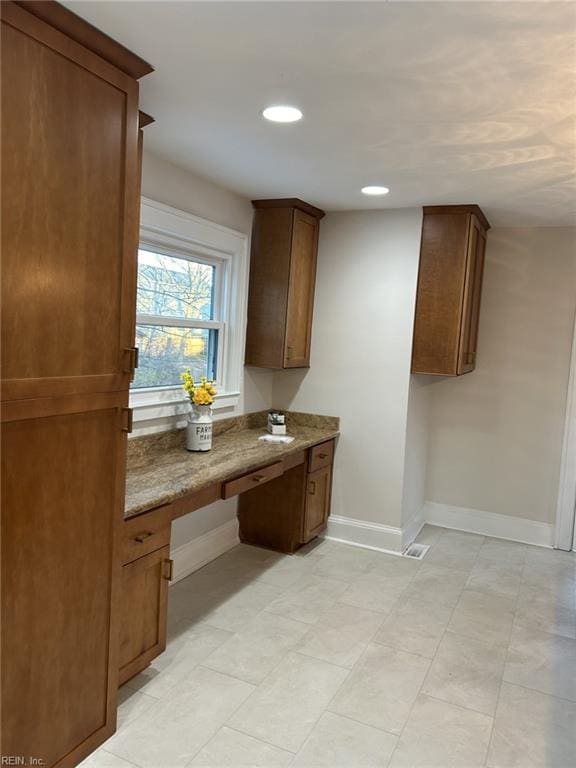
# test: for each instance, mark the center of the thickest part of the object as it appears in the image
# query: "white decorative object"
(276, 423)
(199, 428)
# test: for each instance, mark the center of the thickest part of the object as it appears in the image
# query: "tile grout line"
(221, 726)
(458, 706)
(349, 670)
(344, 717)
(348, 673)
(201, 665)
(256, 687)
(505, 663)
(102, 749)
(257, 738)
(435, 653)
(326, 708)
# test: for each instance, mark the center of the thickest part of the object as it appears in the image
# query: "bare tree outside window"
(173, 294)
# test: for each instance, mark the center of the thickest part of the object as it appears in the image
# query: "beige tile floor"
(347, 658)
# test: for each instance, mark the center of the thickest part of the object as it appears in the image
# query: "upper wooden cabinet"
(449, 290)
(70, 161)
(282, 280)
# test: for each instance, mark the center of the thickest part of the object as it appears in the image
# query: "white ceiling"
(443, 102)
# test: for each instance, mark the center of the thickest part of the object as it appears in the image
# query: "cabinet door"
(268, 287)
(472, 296)
(301, 290)
(62, 502)
(441, 277)
(69, 159)
(143, 611)
(317, 510)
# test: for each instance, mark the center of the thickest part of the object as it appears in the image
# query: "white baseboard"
(200, 551)
(384, 538)
(412, 528)
(489, 524)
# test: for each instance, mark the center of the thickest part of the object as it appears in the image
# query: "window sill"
(169, 403)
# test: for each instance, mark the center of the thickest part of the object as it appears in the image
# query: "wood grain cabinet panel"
(271, 515)
(62, 501)
(321, 455)
(146, 533)
(69, 242)
(69, 159)
(143, 611)
(251, 480)
(317, 505)
(290, 510)
(449, 290)
(282, 282)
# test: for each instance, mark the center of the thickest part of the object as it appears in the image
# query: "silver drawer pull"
(322, 455)
(258, 478)
(312, 487)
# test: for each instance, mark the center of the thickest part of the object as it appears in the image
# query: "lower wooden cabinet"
(286, 506)
(62, 496)
(290, 510)
(317, 505)
(143, 611)
(270, 515)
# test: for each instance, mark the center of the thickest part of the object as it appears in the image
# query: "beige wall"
(491, 440)
(416, 450)
(496, 434)
(172, 185)
(360, 362)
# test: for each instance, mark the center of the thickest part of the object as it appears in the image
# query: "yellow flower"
(201, 397)
(199, 394)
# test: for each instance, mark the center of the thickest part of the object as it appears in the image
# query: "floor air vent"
(416, 551)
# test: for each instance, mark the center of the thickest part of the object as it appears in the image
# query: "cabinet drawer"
(321, 456)
(145, 533)
(252, 480)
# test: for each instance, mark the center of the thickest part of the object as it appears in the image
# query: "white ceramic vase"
(199, 428)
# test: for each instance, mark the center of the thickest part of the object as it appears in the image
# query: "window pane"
(166, 351)
(174, 287)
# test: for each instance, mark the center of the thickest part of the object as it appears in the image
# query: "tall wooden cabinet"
(449, 290)
(282, 281)
(70, 173)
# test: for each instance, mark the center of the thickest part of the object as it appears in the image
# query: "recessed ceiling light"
(282, 114)
(374, 190)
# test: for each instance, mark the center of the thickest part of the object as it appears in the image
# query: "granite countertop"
(160, 469)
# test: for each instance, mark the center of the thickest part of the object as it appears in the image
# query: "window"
(179, 322)
(191, 313)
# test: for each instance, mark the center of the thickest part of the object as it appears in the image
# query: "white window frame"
(173, 232)
(221, 280)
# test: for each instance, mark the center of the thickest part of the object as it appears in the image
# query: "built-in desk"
(284, 501)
